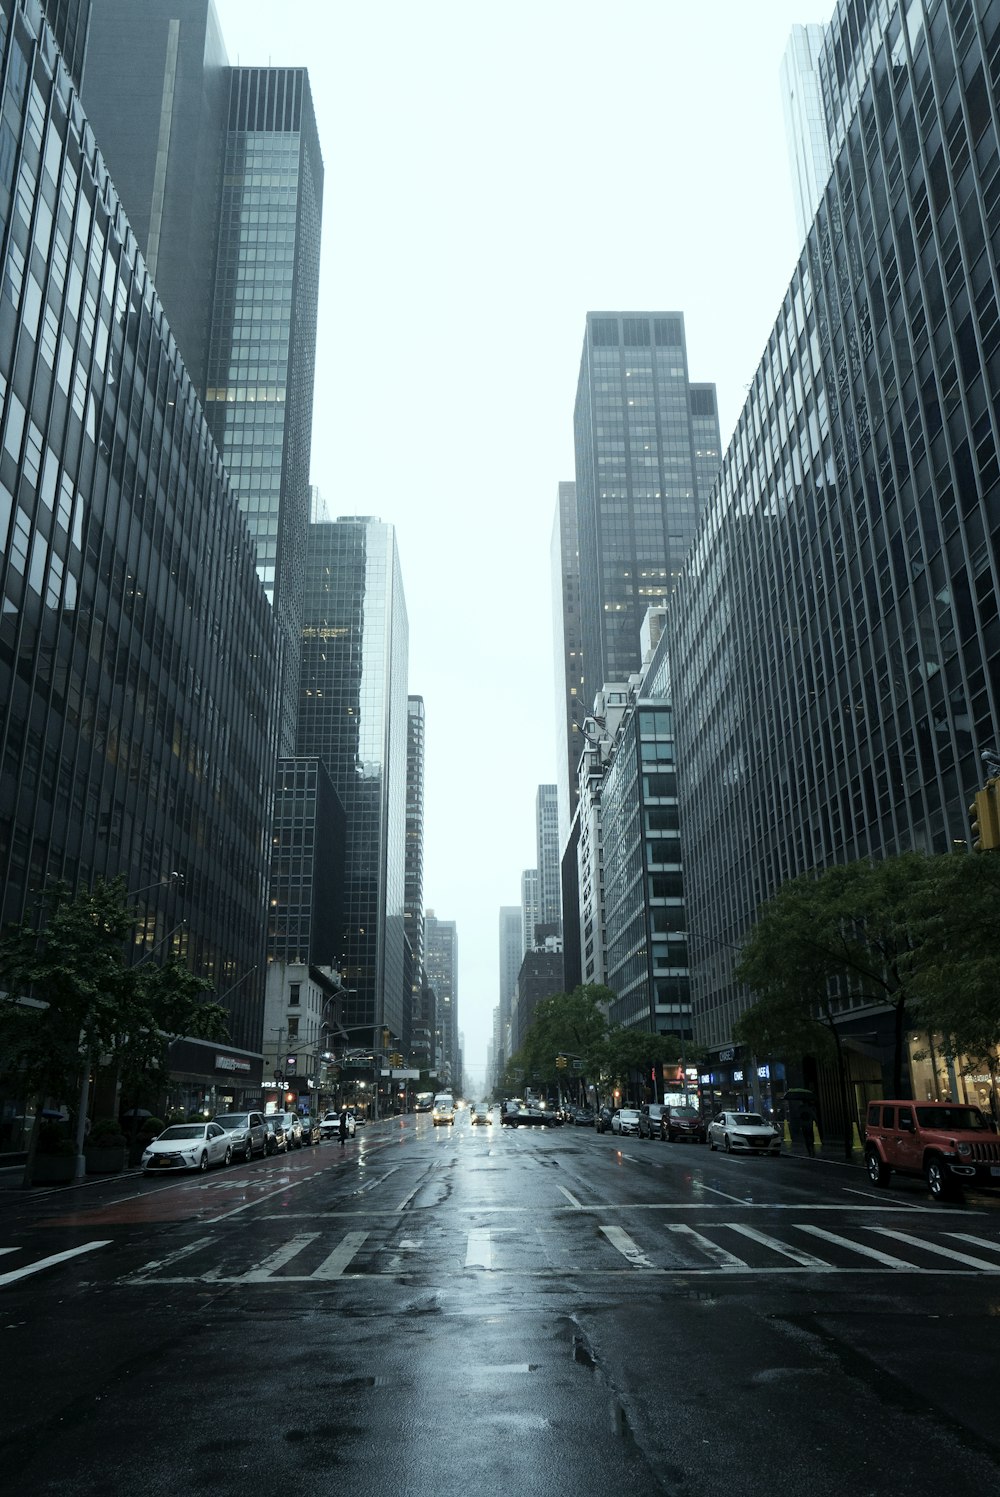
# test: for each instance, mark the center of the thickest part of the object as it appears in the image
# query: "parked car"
(602, 1121)
(625, 1120)
(277, 1136)
(583, 1117)
(310, 1129)
(247, 1132)
(293, 1127)
(187, 1146)
(650, 1114)
(682, 1122)
(743, 1133)
(948, 1143)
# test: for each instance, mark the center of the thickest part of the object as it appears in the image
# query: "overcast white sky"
(493, 172)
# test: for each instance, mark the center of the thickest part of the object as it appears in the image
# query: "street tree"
(69, 998)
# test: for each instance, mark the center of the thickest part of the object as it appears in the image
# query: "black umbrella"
(137, 1112)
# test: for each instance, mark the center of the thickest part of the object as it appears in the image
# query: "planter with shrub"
(105, 1149)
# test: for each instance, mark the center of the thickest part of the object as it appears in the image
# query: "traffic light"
(385, 1039)
(561, 1062)
(985, 816)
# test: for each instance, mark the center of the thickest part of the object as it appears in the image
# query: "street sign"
(402, 1073)
(578, 1065)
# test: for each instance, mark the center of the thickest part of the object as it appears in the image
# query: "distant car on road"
(682, 1122)
(444, 1109)
(625, 1120)
(482, 1112)
(743, 1133)
(187, 1146)
(330, 1126)
(602, 1121)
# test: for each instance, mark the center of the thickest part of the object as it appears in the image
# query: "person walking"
(343, 1125)
(807, 1124)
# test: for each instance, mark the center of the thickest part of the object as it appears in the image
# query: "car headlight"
(964, 1149)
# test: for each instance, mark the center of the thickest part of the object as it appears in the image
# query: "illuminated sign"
(231, 1063)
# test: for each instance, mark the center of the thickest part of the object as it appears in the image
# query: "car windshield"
(954, 1119)
(629, 1112)
(683, 1112)
(274, 1124)
(232, 1120)
(750, 1120)
(185, 1130)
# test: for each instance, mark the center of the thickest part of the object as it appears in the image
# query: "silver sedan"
(188, 1146)
(743, 1133)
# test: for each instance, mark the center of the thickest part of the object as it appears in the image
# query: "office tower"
(805, 126)
(353, 716)
(441, 960)
(413, 906)
(68, 20)
(530, 908)
(137, 650)
(571, 708)
(838, 624)
(221, 172)
(547, 846)
(510, 954)
(647, 453)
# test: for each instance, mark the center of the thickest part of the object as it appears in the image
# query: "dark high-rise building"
(220, 171)
(647, 453)
(836, 640)
(510, 953)
(421, 1045)
(441, 958)
(137, 649)
(353, 715)
(547, 846)
(571, 708)
(68, 20)
(305, 915)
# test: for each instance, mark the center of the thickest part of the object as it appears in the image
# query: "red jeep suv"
(949, 1143)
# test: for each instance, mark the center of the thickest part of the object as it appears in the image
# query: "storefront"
(737, 1082)
(208, 1078)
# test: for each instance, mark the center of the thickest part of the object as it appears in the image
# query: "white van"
(443, 1110)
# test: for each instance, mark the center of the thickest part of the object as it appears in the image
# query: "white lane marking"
(22, 1273)
(148, 1269)
(577, 1205)
(807, 1260)
(7, 1250)
(260, 1201)
(859, 1247)
(278, 1259)
(631, 1250)
(942, 1252)
(866, 1195)
(739, 1200)
(479, 1248)
(333, 1266)
(407, 1199)
(727, 1262)
(993, 1247)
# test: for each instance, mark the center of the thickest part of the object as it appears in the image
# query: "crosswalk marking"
(278, 1259)
(479, 1248)
(727, 1262)
(333, 1266)
(628, 1249)
(805, 1260)
(36, 1267)
(863, 1249)
(942, 1252)
(991, 1247)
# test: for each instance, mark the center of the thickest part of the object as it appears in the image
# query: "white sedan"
(743, 1132)
(625, 1120)
(330, 1125)
(188, 1146)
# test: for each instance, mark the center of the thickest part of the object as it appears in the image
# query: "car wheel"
(227, 1158)
(203, 1161)
(248, 1152)
(878, 1170)
(940, 1185)
(711, 1142)
(726, 1144)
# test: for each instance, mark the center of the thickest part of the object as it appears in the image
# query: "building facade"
(805, 126)
(353, 716)
(510, 953)
(647, 453)
(137, 651)
(547, 847)
(571, 705)
(836, 639)
(530, 908)
(421, 1040)
(441, 959)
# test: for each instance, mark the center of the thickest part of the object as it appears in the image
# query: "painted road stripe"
(407, 1199)
(726, 1261)
(7, 1250)
(250, 1205)
(333, 1266)
(278, 1259)
(860, 1247)
(992, 1247)
(807, 1260)
(22, 1273)
(577, 1205)
(148, 1269)
(628, 1249)
(942, 1252)
(479, 1248)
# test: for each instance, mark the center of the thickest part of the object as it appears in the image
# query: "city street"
(439, 1310)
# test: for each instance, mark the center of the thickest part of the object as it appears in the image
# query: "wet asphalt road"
(449, 1311)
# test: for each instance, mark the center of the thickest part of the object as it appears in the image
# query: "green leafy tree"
(69, 998)
(571, 1024)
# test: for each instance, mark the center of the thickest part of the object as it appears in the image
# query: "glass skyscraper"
(137, 649)
(571, 708)
(836, 639)
(647, 454)
(353, 715)
(420, 1041)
